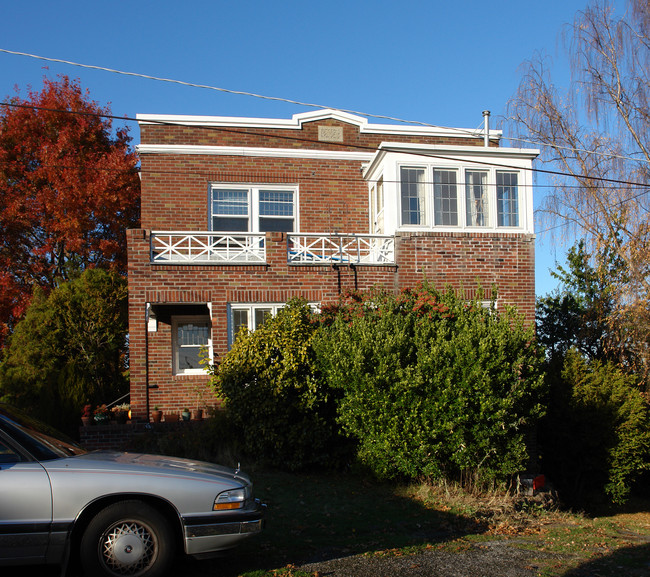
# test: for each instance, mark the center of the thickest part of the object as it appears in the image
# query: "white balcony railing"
(341, 249)
(207, 248)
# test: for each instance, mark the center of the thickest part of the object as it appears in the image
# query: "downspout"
(486, 128)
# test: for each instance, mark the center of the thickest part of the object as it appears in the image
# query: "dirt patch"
(488, 559)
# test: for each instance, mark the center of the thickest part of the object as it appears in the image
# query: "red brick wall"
(332, 197)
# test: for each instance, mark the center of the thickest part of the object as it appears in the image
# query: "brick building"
(241, 214)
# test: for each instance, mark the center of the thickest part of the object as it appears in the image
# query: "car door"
(25, 507)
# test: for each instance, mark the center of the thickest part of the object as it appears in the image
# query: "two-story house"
(241, 214)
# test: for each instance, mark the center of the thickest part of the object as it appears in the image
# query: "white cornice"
(442, 151)
(188, 149)
(297, 120)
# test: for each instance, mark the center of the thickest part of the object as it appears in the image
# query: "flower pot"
(156, 416)
(197, 414)
(86, 421)
(186, 415)
(102, 419)
(171, 418)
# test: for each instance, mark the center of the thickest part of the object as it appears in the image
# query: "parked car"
(118, 513)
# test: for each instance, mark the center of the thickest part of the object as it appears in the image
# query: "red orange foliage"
(69, 190)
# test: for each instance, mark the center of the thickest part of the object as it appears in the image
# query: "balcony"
(215, 248)
(207, 248)
(348, 249)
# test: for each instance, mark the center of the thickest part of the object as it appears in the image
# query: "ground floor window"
(190, 336)
(250, 316)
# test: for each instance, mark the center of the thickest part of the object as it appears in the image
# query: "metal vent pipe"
(486, 128)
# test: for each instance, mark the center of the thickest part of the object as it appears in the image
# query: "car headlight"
(231, 499)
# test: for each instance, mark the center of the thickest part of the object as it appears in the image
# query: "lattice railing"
(330, 249)
(207, 248)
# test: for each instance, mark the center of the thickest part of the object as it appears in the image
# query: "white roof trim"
(432, 151)
(297, 120)
(189, 149)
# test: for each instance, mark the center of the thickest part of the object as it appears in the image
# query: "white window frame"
(250, 308)
(253, 201)
(185, 319)
(461, 170)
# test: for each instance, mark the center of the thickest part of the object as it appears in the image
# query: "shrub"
(596, 438)
(433, 385)
(273, 394)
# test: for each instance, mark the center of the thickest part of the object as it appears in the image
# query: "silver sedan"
(119, 513)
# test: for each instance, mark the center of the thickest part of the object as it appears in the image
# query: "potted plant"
(101, 415)
(156, 414)
(186, 414)
(121, 412)
(87, 415)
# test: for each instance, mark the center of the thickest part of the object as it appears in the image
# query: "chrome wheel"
(128, 548)
(128, 538)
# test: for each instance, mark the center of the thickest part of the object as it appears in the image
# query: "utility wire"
(307, 104)
(341, 145)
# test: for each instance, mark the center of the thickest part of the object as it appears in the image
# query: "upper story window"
(507, 199)
(445, 200)
(491, 197)
(252, 208)
(476, 198)
(413, 196)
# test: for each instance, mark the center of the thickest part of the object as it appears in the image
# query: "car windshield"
(40, 440)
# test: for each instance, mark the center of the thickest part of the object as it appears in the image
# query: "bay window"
(491, 197)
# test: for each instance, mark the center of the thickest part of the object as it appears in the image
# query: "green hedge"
(432, 385)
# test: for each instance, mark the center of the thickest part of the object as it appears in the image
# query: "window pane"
(220, 223)
(507, 199)
(412, 193)
(229, 209)
(476, 198)
(276, 210)
(276, 225)
(261, 315)
(239, 320)
(445, 201)
(276, 203)
(191, 337)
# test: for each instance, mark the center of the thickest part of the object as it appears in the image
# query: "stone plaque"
(330, 133)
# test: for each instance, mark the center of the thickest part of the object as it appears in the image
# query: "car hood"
(140, 462)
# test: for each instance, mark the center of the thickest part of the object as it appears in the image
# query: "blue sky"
(437, 62)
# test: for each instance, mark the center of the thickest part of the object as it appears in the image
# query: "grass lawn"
(318, 517)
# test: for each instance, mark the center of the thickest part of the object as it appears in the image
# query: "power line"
(306, 104)
(340, 145)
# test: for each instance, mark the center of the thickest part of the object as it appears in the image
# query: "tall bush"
(69, 349)
(596, 437)
(433, 385)
(273, 393)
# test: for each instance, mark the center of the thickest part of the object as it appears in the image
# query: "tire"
(127, 538)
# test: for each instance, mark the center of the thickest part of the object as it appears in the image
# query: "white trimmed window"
(261, 208)
(445, 198)
(476, 198)
(190, 334)
(433, 194)
(507, 199)
(250, 316)
(413, 195)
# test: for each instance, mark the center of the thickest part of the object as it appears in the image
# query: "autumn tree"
(68, 191)
(595, 136)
